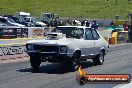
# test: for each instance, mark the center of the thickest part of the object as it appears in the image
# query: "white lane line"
(23, 68)
(129, 85)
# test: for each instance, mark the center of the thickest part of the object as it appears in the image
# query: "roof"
(3, 17)
(23, 13)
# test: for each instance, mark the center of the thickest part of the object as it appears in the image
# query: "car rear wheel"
(99, 59)
(35, 62)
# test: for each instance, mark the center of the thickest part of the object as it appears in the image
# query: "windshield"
(11, 20)
(47, 15)
(71, 32)
(28, 19)
(37, 20)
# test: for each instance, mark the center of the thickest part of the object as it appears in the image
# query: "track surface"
(21, 75)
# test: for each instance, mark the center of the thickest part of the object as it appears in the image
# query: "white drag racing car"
(68, 44)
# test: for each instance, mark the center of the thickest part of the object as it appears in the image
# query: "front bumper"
(50, 56)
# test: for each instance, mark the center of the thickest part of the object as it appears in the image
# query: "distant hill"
(69, 8)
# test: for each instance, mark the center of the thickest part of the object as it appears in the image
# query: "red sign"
(40, 32)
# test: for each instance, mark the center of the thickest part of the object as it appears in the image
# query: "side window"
(0, 19)
(95, 34)
(88, 34)
(3, 20)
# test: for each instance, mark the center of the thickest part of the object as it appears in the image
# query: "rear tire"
(35, 62)
(99, 59)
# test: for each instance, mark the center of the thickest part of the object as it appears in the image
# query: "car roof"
(76, 26)
(3, 17)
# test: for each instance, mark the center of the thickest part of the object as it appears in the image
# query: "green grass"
(69, 8)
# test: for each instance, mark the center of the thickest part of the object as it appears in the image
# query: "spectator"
(94, 25)
(69, 21)
(87, 24)
(125, 25)
(74, 22)
(83, 23)
(112, 23)
(61, 22)
(55, 23)
(51, 23)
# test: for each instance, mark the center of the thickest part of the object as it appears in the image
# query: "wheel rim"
(76, 56)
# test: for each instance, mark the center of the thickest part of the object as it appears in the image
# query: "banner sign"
(11, 50)
(13, 32)
(39, 32)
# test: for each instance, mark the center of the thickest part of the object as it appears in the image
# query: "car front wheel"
(76, 57)
(99, 59)
(35, 62)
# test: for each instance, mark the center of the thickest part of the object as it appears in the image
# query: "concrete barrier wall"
(12, 50)
(16, 41)
(119, 37)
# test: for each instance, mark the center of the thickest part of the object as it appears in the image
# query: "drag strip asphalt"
(20, 74)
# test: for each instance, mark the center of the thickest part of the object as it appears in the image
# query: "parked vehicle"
(3, 24)
(38, 22)
(33, 21)
(68, 45)
(9, 21)
(22, 14)
(16, 19)
(48, 18)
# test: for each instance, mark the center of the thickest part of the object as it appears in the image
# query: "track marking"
(24, 38)
(14, 60)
